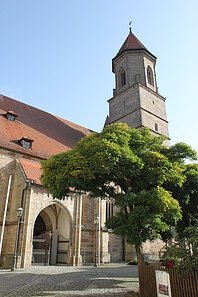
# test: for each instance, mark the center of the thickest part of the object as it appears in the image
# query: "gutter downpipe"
(99, 229)
(5, 213)
(23, 206)
(79, 228)
(75, 232)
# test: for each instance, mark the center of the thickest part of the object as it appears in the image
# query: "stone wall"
(133, 64)
(9, 167)
(38, 200)
(139, 106)
(151, 250)
(88, 230)
(88, 245)
(153, 111)
(124, 104)
(116, 248)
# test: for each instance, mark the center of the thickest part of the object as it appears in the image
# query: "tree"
(187, 196)
(184, 254)
(138, 164)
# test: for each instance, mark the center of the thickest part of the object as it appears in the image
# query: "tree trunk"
(140, 257)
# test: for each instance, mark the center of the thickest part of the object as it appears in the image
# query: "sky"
(57, 55)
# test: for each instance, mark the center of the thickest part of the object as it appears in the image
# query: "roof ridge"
(41, 110)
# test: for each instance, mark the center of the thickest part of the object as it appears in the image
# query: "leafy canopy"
(184, 254)
(187, 196)
(133, 167)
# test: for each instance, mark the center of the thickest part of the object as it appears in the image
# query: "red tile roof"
(132, 43)
(51, 134)
(32, 170)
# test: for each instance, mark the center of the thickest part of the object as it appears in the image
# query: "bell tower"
(136, 100)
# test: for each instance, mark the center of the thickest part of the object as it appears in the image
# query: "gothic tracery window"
(150, 76)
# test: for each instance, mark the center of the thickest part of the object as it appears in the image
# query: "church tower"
(136, 100)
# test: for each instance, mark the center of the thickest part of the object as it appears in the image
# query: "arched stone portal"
(52, 236)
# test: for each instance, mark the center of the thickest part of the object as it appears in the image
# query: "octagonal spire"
(132, 43)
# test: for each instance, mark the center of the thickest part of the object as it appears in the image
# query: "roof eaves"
(135, 50)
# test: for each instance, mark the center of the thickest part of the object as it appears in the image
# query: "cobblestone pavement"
(108, 280)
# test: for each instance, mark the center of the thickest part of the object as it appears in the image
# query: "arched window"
(150, 76)
(122, 78)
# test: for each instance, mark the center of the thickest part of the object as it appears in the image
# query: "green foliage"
(180, 152)
(187, 196)
(184, 254)
(151, 212)
(131, 166)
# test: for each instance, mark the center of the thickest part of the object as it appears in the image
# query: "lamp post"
(19, 215)
(96, 221)
(49, 248)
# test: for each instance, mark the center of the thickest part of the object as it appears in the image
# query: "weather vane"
(130, 25)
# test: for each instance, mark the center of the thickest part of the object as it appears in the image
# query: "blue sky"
(56, 55)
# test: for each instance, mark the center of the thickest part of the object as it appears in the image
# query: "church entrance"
(41, 242)
(52, 236)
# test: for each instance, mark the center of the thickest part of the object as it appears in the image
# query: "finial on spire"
(130, 26)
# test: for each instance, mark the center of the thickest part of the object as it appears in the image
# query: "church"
(34, 227)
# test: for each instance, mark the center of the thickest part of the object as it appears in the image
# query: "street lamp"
(19, 215)
(49, 248)
(96, 221)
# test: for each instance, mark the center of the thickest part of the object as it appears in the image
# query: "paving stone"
(68, 281)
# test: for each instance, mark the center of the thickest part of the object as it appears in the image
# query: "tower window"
(156, 127)
(123, 78)
(150, 76)
(26, 142)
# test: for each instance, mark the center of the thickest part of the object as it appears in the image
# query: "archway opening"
(52, 236)
(42, 240)
(39, 227)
